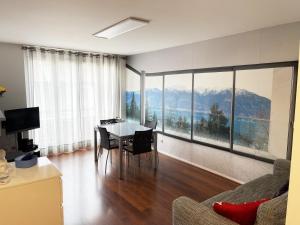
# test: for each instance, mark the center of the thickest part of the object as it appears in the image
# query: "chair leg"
(149, 155)
(111, 157)
(135, 162)
(99, 152)
(139, 160)
(106, 160)
(128, 156)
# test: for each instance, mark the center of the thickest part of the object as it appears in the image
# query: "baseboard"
(202, 167)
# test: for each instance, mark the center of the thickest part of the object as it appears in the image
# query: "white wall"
(276, 44)
(12, 77)
(280, 110)
(232, 166)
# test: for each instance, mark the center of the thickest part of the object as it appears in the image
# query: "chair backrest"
(151, 124)
(109, 121)
(142, 142)
(104, 135)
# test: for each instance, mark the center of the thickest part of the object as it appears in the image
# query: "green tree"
(154, 117)
(133, 107)
(179, 123)
(147, 114)
(217, 121)
(127, 110)
(185, 124)
(169, 121)
(201, 125)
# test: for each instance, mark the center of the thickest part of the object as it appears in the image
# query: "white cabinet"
(33, 196)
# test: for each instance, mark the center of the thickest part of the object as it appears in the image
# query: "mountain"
(247, 103)
(137, 97)
(250, 104)
(203, 101)
(154, 97)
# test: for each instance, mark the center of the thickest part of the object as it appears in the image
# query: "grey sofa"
(189, 212)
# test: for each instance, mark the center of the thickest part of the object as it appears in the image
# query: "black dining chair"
(108, 121)
(151, 124)
(107, 143)
(141, 143)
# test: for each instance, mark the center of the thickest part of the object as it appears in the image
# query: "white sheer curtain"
(73, 92)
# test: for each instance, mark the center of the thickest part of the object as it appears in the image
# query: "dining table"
(122, 132)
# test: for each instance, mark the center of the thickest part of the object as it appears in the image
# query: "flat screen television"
(18, 120)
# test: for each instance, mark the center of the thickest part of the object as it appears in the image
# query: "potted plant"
(2, 90)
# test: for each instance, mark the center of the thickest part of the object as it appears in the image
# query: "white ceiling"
(71, 23)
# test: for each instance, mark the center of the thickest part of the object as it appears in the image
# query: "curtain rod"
(70, 51)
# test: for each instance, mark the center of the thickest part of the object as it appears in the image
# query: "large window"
(262, 109)
(153, 99)
(212, 107)
(178, 102)
(133, 96)
(242, 109)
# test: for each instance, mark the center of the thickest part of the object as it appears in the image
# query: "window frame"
(191, 111)
(162, 100)
(140, 77)
(230, 125)
(233, 69)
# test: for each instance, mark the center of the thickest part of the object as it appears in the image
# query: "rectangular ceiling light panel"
(121, 27)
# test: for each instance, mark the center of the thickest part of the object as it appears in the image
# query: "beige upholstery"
(189, 212)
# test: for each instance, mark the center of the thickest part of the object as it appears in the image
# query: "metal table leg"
(120, 159)
(155, 150)
(95, 145)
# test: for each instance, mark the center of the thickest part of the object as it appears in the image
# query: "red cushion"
(243, 214)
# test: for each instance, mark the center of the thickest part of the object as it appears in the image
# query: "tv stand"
(25, 144)
(19, 139)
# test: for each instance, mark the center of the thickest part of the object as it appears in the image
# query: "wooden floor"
(143, 197)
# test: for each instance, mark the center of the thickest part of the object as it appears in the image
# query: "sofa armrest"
(273, 211)
(282, 168)
(189, 212)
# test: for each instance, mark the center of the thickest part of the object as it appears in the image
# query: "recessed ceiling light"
(121, 27)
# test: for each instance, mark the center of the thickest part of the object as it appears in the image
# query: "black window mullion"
(234, 69)
(163, 104)
(192, 105)
(232, 110)
(292, 113)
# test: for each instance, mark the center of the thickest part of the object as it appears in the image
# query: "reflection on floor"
(143, 197)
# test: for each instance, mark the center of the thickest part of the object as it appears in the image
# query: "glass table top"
(124, 129)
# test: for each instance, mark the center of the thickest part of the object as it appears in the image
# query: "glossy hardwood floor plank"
(143, 197)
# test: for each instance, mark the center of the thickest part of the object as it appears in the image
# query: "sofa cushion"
(273, 212)
(243, 213)
(282, 190)
(217, 198)
(262, 187)
(189, 212)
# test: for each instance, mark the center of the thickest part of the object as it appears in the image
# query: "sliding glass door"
(133, 96)
(212, 107)
(243, 109)
(262, 111)
(178, 103)
(153, 99)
